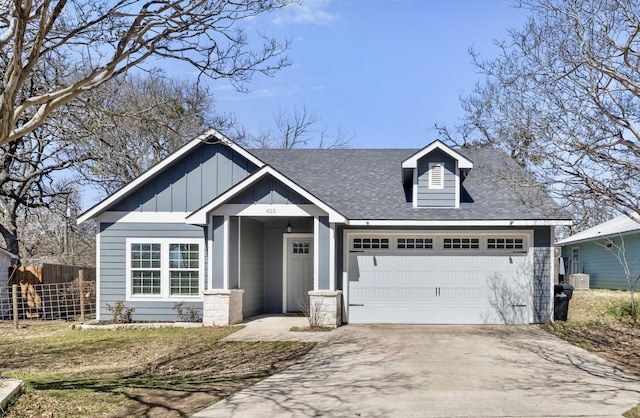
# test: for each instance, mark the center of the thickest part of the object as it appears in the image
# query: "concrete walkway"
(439, 371)
(276, 328)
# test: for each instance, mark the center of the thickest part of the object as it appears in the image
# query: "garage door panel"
(382, 294)
(452, 313)
(464, 289)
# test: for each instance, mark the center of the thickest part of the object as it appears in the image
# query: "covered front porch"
(270, 249)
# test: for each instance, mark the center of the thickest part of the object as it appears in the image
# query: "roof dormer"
(435, 174)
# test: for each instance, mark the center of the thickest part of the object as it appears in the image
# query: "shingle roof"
(367, 184)
(621, 225)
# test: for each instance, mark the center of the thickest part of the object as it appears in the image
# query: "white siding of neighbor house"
(5, 264)
(444, 197)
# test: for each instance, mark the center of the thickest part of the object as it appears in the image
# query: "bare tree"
(30, 165)
(619, 251)
(80, 44)
(563, 98)
(132, 122)
(50, 234)
(297, 129)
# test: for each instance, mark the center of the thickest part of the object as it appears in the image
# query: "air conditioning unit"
(579, 281)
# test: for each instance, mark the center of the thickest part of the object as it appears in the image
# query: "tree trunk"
(9, 228)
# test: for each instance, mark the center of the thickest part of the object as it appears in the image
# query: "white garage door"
(439, 279)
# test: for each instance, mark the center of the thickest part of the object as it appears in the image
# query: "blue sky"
(386, 71)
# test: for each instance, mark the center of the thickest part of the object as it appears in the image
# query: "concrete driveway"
(439, 371)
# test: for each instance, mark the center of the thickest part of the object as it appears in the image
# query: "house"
(434, 235)
(7, 259)
(591, 254)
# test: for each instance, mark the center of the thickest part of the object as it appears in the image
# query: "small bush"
(190, 314)
(121, 313)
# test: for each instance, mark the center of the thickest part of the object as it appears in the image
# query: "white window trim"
(432, 168)
(164, 269)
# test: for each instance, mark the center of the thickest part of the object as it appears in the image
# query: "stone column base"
(325, 308)
(222, 307)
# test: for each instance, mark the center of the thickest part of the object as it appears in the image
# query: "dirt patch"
(164, 372)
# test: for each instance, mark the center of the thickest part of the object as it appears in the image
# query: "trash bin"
(562, 295)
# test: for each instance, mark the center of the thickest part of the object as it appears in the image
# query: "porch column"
(325, 308)
(322, 254)
(222, 307)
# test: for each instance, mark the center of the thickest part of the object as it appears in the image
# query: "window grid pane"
(145, 282)
(185, 283)
(183, 256)
(461, 243)
(415, 243)
(301, 247)
(370, 243)
(145, 256)
(505, 243)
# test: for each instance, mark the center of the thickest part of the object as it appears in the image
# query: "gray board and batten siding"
(190, 182)
(269, 191)
(113, 273)
(444, 197)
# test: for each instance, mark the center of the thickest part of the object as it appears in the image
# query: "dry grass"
(170, 372)
(599, 322)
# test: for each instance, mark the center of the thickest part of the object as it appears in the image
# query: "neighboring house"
(354, 235)
(593, 252)
(6, 262)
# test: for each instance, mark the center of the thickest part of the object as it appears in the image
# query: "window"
(301, 247)
(575, 260)
(436, 175)
(164, 268)
(145, 269)
(461, 243)
(184, 271)
(415, 243)
(505, 243)
(370, 243)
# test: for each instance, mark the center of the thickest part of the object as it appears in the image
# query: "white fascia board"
(412, 162)
(581, 240)
(422, 222)
(212, 133)
(624, 225)
(199, 216)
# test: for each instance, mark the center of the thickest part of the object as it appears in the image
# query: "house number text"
(271, 211)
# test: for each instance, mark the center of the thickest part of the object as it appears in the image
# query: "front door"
(299, 267)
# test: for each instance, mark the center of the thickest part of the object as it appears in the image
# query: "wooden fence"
(49, 273)
(49, 292)
(72, 301)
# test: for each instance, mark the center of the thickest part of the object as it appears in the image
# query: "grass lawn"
(599, 322)
(168, 372)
